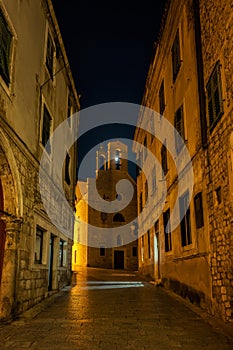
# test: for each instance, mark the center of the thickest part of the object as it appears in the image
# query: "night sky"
(109, 47)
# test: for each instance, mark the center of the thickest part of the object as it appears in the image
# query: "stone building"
(216, 18)
(180, 258)
(111, 167)
(37, 93)
(190, 83)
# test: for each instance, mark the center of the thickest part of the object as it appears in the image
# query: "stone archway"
(2, 231)
(10, 179)
(11, 211)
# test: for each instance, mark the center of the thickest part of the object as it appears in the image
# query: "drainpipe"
(200, 77)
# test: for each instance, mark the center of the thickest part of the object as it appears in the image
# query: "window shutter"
(161, 98)
(214, 95)
(179, 126)
(164, 159)
(49, 55)
(46, 128)
(176, 56)
(185, 224)
(167, 235)
(198, 210)
(5, 46)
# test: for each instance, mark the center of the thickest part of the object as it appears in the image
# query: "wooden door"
(118, 259)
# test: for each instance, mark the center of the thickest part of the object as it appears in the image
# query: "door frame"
(51, 261)
(124, 258)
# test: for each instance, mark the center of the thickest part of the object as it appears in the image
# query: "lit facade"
(111, 167)
(37, 93)
(181, 259)
(190, 84)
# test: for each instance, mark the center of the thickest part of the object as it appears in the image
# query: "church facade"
(111, 167)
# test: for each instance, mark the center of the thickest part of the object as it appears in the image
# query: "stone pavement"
(112, 310)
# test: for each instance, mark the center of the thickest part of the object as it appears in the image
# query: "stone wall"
(220, 220)
(30, 280)
(217, 32)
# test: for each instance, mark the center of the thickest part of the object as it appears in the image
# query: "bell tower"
(101, 159)
(117, 156)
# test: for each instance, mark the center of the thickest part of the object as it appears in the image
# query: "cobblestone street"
(114, 310)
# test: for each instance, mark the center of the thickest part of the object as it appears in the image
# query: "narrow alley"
(113, 309)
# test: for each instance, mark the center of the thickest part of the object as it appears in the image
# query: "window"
(140, 202)
(156, 226)
(135, 251)
(142, 248)
(62, 253)
(214, 95)
(5, 49)
(146, 191)
(179, 125)
(46, 129)
(69, 109)
(167, 232)
(118, 218)
(161, 98)
(148, 243)
(117, 160)
(102, 162)
(218, 194)
(198, 210)
(176, 62)
(119, 241)
(50, 56)
(103, 216)
(102, 251)
(39, 245)
(67, 169)
(185, 225)
(164, 158)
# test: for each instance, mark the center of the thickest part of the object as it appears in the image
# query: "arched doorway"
(2, 231)
(11, 213)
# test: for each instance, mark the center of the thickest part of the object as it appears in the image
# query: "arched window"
(119, 241)
(117, 159)
(102, 163)
(118, 218)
